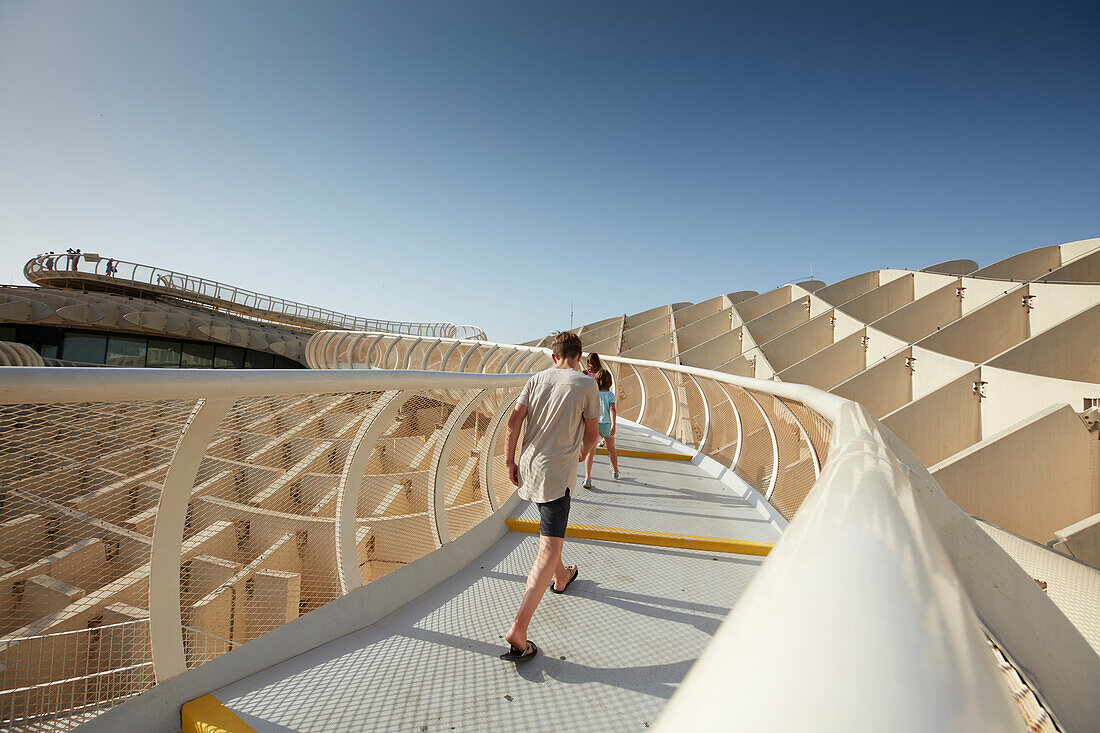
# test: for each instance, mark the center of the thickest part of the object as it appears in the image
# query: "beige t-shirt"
(558, 401)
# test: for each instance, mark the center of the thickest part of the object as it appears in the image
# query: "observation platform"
(612, 649)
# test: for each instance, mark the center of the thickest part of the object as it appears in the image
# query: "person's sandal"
(518, 655)
(576, 572)
(587, 484)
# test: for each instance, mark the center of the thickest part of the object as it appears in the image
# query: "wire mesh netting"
(659, 402)
(628, 392)
(693, 411)
(79, 485)
(259, 541)
(795, 475)
(818, 429)
(756, 458)
(725, 427)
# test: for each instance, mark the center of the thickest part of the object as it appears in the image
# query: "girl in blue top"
(608, 417)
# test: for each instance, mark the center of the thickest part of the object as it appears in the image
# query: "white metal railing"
(872, 610)
(196, 511)
(84, 267)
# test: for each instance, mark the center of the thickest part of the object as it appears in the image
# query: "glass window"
(89, 348)
(258, 360)
(163, 354)
(281, 362)
(198, 356)
(127, 351)
(49, 351)
(228, 357)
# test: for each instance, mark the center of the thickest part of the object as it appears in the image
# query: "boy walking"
(562, 407)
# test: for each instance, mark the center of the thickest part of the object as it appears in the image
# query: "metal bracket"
(864, 341)
(911, 363)
(1026, 302)
(959, 292)
(1091, 418)
(979, 389)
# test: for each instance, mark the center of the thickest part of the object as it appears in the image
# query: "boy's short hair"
(566, 345)
(603, 380)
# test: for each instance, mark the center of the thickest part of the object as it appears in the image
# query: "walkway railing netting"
(142, 536)
(776, 444)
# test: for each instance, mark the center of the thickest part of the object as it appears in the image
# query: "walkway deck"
(613, 648)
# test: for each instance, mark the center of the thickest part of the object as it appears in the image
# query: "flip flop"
(515, 655)
(576, 572)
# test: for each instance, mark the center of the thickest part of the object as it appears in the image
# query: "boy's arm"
(591, 432)
(614, 417)
(515, 421)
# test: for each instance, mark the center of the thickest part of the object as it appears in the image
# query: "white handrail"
(866, 614)
(61, 267)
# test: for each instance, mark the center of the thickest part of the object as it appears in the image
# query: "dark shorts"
(554, 516)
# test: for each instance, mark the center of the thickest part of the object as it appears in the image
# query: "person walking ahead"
(561, 406)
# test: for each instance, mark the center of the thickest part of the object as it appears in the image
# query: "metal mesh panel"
(78, 484)
(628, 393)
(435, 355)
(259, 542)
(394, 498)
(465, 500)
(755, 462)
(818, 429)
(455, 358)
(494, 361)
(693, 412)
(394, 353)
(509, 359)
(473, 364)
(376, 350)
(414, 359)
(724, 428)
(795, 476)
(658, 400)
(102, 665)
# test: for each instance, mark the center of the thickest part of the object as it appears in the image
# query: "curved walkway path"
(612, 649)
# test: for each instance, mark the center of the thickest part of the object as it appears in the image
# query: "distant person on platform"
(562, 407)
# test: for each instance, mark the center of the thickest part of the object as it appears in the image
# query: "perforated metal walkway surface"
(613, 648)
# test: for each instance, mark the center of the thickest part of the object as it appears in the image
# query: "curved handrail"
(63, 269)
(866, 613)
(871, 600)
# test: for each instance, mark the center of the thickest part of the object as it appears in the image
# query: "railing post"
(740, 425)
(705, 438)
(437, 474)
(381, 415)
(485, 470)
(165, 616)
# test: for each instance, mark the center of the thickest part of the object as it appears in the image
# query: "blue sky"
(490, 162)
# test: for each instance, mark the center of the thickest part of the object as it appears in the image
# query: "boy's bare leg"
(613, 453)
(588, 464)
(547, 564)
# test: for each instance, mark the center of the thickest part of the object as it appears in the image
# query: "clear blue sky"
(488, 162)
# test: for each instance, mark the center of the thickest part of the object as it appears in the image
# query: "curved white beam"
(381, 416)
(165, 616)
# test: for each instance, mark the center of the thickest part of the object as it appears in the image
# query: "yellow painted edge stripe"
(660, 455)
(207, 714)
(660, 539)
